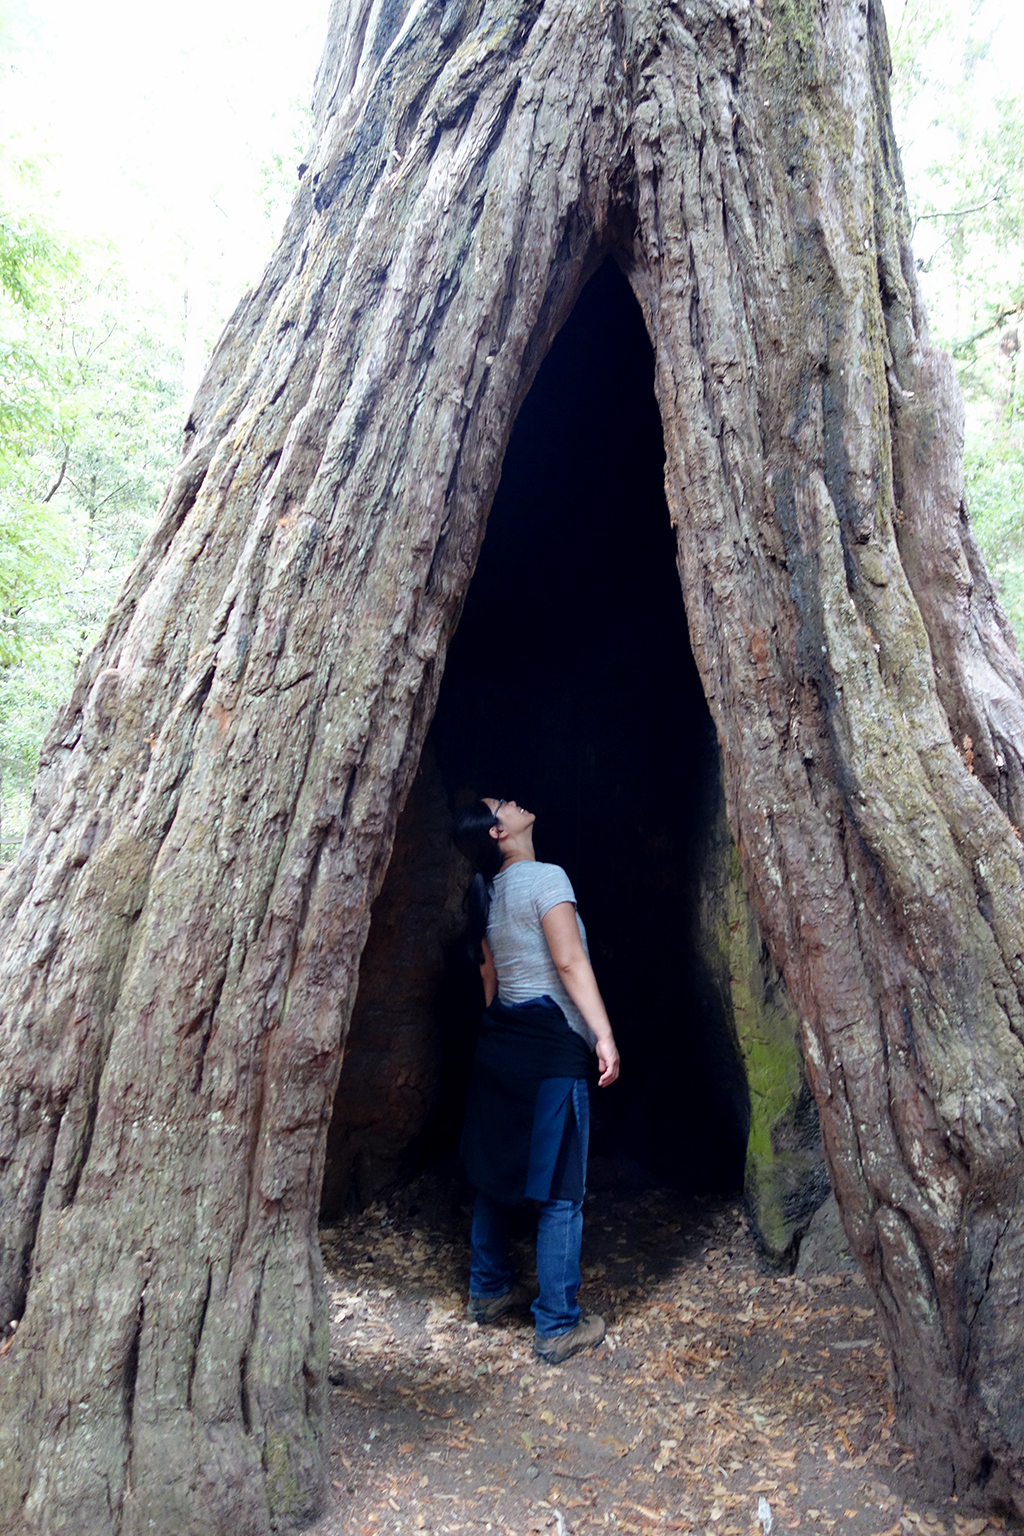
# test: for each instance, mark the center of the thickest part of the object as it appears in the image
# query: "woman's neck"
(518, 850)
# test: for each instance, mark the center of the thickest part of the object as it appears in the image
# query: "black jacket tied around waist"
(521, 1138)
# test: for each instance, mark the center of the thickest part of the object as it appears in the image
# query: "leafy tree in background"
(93, 396)
(967, 204)
(90, 411)
(33, 546)
(32, 263)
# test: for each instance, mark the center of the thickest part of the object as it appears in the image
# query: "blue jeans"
(559, 1233)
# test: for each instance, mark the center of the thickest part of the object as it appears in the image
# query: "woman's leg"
(559, 1234)
(490, 1273)
(493, 1291)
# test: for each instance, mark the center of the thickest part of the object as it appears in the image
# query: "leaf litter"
(727, 1399)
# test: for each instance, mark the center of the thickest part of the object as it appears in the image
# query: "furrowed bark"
(216, 805)
(884, 875)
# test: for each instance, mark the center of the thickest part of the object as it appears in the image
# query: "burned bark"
(216, 805)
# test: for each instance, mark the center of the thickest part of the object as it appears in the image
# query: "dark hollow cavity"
(570, 686)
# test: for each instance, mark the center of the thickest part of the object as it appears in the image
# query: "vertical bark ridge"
(852, 807)
(271, 592)
(979, 676)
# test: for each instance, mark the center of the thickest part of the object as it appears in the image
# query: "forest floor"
(720, 1384)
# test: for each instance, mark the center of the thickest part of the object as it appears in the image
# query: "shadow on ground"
(721, 1384)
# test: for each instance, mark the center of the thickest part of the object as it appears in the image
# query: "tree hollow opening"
(570, 685)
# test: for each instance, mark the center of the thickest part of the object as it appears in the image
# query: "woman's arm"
(488, 975)
(563, 935)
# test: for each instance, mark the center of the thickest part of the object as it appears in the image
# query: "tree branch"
(960, 347)
(55, 487)
(962, 213)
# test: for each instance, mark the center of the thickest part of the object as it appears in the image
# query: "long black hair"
(472, 834)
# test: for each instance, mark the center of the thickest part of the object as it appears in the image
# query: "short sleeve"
(551, 886)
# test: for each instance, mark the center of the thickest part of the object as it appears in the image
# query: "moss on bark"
(786, 1178)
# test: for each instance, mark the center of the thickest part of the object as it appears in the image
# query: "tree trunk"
(216, 805)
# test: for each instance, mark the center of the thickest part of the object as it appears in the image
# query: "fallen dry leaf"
(721, 1376)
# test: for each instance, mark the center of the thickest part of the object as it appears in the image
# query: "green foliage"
(118, 436)
(34, 553)
(914, 24)
(98, 352)
(90, 407)
(278, 169)
(25, 257)
(32, 261)
(995, 492)
(79, 484)
(29, 695)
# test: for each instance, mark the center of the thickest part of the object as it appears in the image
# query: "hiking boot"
(489, 1309)
(588, 1331)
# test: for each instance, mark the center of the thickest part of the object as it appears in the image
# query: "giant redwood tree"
(216, 804)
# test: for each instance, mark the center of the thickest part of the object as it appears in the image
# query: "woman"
(528, 1115)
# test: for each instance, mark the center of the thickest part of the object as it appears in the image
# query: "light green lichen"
(284, 1496)
(785, 1176)
(793, 21)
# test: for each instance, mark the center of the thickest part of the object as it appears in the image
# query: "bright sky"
(975, 49)
(160, 124)
(997, 28)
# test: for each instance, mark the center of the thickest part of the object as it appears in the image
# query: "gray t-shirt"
(522, 894)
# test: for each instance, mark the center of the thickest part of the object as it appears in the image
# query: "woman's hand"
(607, 1061)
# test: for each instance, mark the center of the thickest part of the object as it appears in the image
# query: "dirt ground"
(727, 1399)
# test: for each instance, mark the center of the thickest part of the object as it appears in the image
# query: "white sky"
(996, 24)
(159, 123)
(982, 43)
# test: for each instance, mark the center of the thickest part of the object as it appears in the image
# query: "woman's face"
(511, 817)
